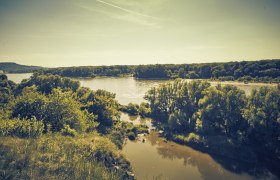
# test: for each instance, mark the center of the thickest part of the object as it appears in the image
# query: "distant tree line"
(92, 71)
(258, 71)
(17, 68)
(265, 70)
(220, 118)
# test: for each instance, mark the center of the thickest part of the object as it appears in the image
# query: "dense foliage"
(21, 128)
(259, 71)
(17, 68)
(265, 70)
(196, 111)
(134, 109)
(6, 91)
(36, 115)
(46, 83)
(60, 103)
(92, 71)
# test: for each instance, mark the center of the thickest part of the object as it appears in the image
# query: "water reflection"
(136, 120)
(167, 160)
(127, 89)
(157, 158)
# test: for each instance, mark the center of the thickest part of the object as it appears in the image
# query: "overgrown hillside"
(51, 128)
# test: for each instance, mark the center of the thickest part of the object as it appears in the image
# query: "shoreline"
(216, 81)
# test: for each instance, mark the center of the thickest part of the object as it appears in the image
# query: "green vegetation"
(126, 129)
(21, 128)
(245, 71)
(92, 71)
(51, 127)
(259, 71)
(6, 91)
(88, 156)
(219, 119)
(17, 68)
(134, 109)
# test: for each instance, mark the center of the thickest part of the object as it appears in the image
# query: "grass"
(53, 156)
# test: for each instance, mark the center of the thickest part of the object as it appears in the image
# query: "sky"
(55, 33)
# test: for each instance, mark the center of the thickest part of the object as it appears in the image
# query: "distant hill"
(11, 67)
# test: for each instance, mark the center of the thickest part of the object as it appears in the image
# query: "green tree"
(46, 83)
(262, 114)
(30, 103)
(105, 107)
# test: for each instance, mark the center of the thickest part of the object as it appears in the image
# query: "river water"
(156, 158)
(128, 89)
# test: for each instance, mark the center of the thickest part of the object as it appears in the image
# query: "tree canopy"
(221, 111)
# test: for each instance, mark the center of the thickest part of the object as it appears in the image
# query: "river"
(156, 158)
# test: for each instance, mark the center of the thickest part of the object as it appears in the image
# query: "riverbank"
(217, 145)
(157, 157)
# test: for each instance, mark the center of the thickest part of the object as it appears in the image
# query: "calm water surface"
(17, 78)
(156, 158)
(128, 89)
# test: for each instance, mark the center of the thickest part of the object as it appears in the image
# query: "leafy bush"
(56, 109)
(67, 131)
(21, 128)
(132, 109)
(144, 110)
(191, 138)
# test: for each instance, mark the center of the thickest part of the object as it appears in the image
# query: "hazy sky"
(104, 32)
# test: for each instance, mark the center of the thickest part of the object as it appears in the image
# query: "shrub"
(131, 135)
(144, 110)
(191, 138)
(56, 109)
(132, 109)
(67, 131)
(21, 128)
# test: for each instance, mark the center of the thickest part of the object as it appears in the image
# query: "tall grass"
(53, 156)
